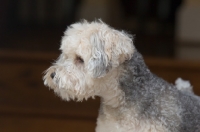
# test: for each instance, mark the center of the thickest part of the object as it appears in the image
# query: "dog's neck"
(110, 93)
(137, 80)
(132, 75)
(113, 99)
(113, 94)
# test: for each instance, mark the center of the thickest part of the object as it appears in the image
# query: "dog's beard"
(68, 83)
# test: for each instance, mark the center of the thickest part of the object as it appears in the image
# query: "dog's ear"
(119, 45)
(110, 48)
(99, 63)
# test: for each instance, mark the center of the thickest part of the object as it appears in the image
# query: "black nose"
(53, 75)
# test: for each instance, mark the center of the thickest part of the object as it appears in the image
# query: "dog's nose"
(53, 75)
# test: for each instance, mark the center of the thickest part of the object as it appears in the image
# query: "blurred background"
(167, 33)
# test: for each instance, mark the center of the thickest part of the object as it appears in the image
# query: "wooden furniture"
(26, 105)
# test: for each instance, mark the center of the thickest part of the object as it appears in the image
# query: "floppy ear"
(110, 48)
(120, 45)
(98, 64)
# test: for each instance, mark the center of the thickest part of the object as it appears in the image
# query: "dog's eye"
(79, 59)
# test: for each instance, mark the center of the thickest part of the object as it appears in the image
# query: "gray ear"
(98, 64)
(110, 48)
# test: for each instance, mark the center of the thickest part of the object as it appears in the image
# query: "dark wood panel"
(22, 89)
(170, 70)
(13, 124)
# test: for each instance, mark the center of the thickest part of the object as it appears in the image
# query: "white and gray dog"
(97, 60)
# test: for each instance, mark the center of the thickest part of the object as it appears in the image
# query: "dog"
(97, 60)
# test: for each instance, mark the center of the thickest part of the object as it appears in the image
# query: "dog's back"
(158, 100)
(190, 114)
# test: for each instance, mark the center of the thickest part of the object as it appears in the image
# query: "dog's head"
(91, 55)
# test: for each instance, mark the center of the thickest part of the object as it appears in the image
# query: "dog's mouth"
(57, 80)
(66, 83)
(63, 86)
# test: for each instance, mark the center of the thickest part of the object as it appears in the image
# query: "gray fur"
(155, 97)
(99, 60)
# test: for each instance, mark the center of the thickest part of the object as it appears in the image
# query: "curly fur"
(97, 60)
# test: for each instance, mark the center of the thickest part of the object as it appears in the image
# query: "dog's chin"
(64, 94)
(49, 83)
(68, 90)
(68, 94)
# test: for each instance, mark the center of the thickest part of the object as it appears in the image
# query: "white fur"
(95, 43)
(183, 85)
(128, 122)
(102, 49)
